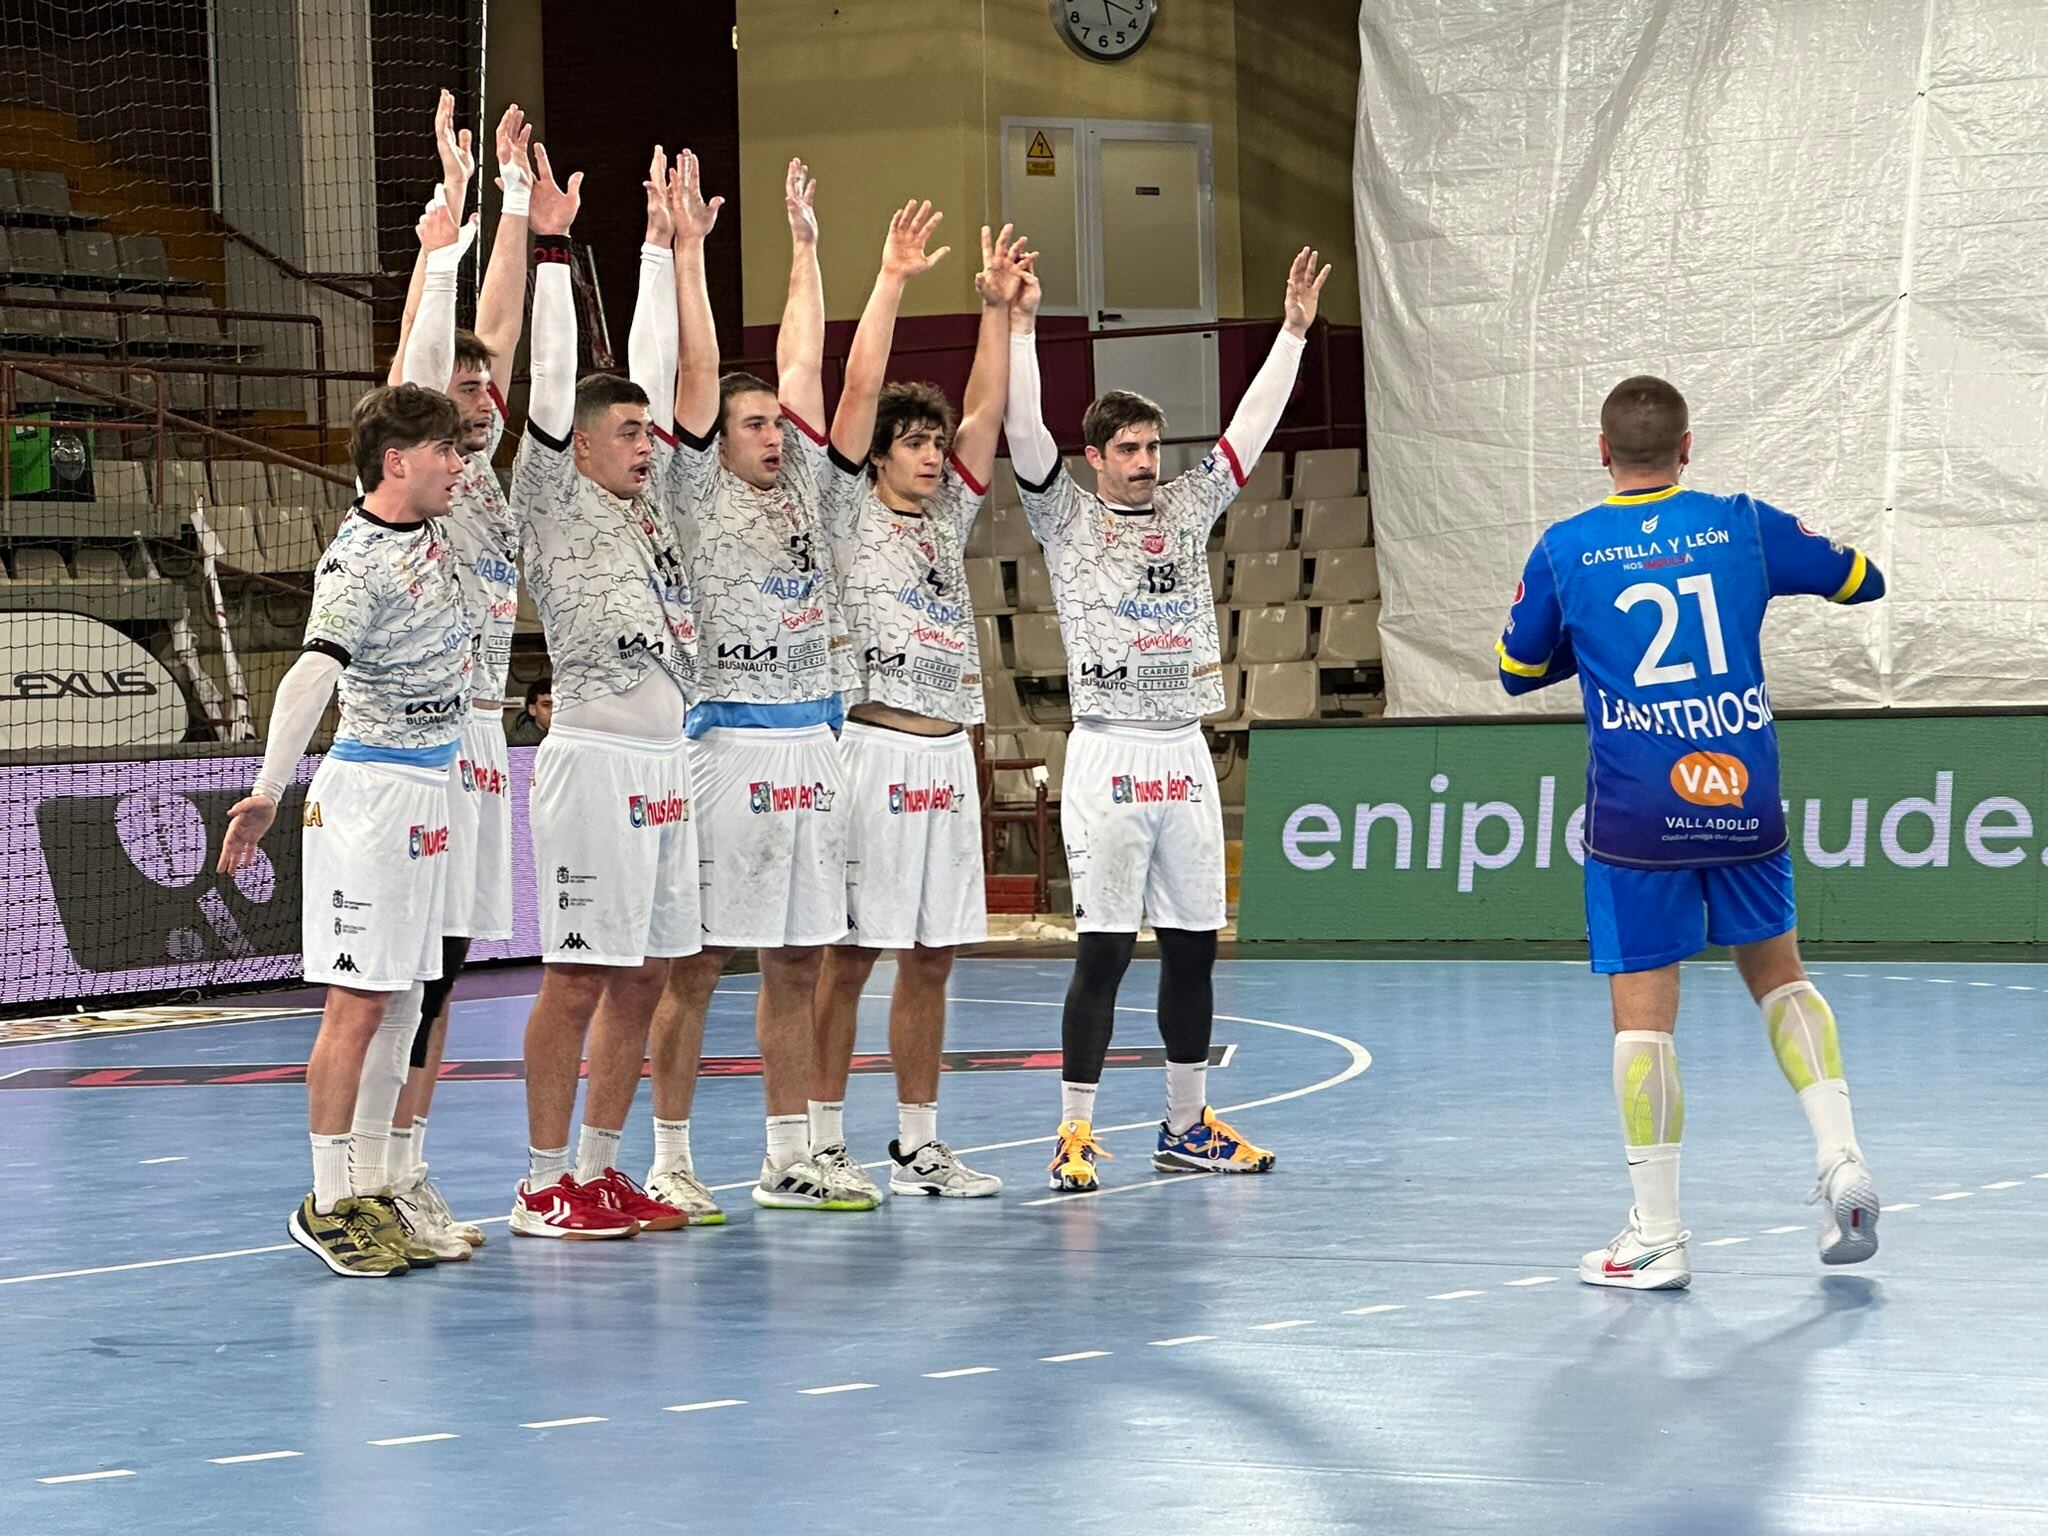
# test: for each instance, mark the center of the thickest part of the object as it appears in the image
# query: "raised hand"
(1304, 291)
(693, 217)
(437, 228)
(1001, 278)
(911, 228)
(458, 162)
(799, 197)
(1024, 308)
(661, 225)
(553, 209)
(514, 136)
(247, 822)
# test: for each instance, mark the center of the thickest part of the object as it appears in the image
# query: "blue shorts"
(1640, 919)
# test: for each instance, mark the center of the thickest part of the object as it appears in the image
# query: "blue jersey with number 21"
(1655, 600)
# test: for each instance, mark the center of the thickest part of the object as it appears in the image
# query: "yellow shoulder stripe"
(1856, 573)
(1519, 668)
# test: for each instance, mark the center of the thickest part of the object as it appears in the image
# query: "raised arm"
(1258, 413)
(428, 356)
(800, 343)
(999, 282)
(696, 406)
(911, 228)
(457, 164)
(551, 401)
(1032, 450)
(501, 301)
(651, 343)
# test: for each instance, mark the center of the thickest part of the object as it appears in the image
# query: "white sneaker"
(803, 1186)
(1849, 1206)
(934, 1170)
(430, 1194)
(425, 1224)
(847, 1180)
(682, 1189)
(1633, 1264)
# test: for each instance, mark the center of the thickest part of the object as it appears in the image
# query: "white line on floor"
(1903, 1205)
(236, 1461)
(2019, 989)
(1186, 1338)
(716, 1402)
(2003, 1184)
(1385, 1306)
(844, 1386)
(151, 1162)
(1724, 1242)
(1533, 1280)
(1939, 981)
(1079, 1354)
(1954, 1194)
(416, 1439)
(588, 1418)
(1980, 983)
(1900, 978)
(89, 1477)
(1455, 1295)
(1287, 1322)
(1781, 1231)
(965, 1370)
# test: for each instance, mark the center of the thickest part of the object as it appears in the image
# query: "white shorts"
(772, 838)
(372, 874)
(1143, 825)
(480, 833)
(913, 839)
(615, 847)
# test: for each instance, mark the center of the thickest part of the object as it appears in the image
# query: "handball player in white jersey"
(388, 623)
(613, 822)
(914, 881)
(752, 466)
(1139, 810)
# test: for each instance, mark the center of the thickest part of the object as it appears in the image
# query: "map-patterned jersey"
(387, 605)
(761, 565)
(486, 537)
(608, 576)
(903, 579)
(1132, 590)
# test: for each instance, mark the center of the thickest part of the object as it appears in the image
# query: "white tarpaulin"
(1827, 223)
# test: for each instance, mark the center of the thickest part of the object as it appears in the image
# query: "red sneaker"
(566, 1209)
(618, 1192)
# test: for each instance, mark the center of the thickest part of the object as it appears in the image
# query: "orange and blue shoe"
(1209, 1146)
(1073, 1166)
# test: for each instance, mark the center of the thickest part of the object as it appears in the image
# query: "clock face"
(1105, 29)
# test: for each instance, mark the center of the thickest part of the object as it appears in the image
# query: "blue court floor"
(1384, 1335)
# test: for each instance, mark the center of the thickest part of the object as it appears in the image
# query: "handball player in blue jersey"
(1655, 601)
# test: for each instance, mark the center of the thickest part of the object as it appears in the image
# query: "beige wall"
(889, 99)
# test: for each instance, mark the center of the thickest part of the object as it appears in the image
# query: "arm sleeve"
(1032, 451)
(430, 345)
(551, 400)
(1258, 413)
(1798, 560)
(294, 715)
(1534, 650)
(651, 343)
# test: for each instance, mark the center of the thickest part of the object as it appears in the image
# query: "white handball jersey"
(387, 605)
(608, 576)
(486, 538)
(1132, 590)
(903, 578)
(769, 625)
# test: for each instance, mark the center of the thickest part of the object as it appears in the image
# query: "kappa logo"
(766, 798)
(426, 842)
(346, 963)
(574, 941)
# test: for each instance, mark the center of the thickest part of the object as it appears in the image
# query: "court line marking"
(150, 1162)
(1455, 1295)
(1781, 1231)
(1533, 1280)
(965, 1370)
(844, 1386)
(1079, 1354)
(2004, 1184)
(416, 1439)
(1287, 1322)
(716, 1402)
(1723, 1242)
(1903, 1205)
(1954, 1194)
(1186, 1338)
(89, 1477)
(1385, 1306)
(588, 1418)
(236, 1461)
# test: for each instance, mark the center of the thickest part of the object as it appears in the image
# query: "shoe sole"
(1174, 1162)
(769, 1202)
(311, 1244)
(674, 1223)
(542, 1229)
(1072, 1187)
(1856, 1212)
(941, 1192)
(1657, 1282)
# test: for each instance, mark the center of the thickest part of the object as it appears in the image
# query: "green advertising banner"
(1908, 827)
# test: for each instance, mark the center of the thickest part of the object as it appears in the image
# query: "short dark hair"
(1644, 420)
(597, 393)
(537, 687)
(902, 409)
(1116, 410)
(397, 416)
(470, 351)
(739, 383)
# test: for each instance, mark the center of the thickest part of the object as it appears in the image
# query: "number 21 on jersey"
(1653, 669)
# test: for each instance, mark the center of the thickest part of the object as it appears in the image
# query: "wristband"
(518, 191)
(548, 248)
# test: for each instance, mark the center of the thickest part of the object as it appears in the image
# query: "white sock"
(419, 1140)
(671, 1148)
(1834, 1129)
(330, 1171)
(788, 1140)
(1187, 1091)
(917, 1125)
(544, 1165)
(596, 1150)
(1077, 1102)
(1654, 1173)
(398, 1157)
(385, 1064)
(827, 1123)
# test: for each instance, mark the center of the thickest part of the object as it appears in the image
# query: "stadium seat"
(235, 540)
(1051, 747)
(91, 328)
(1346, 576)
(101, 563)
(7, 192)
(1350, 635)
(1283, 691)
(988, 641)
(1233, 696)
(985, 587)
(327, 520)
(1219, 575)
(91, 258)
(241, 481)
(36, 253)
(144, 327)
(120, 483)
(39, 563)
(289, 537)
(1002, 486)
(196, 323)
(1340, 522)
(1257, 580)
(528, 621)
(1226, 633)
(1037, 639)
(1034, 585)
(999, 698)
(142, 260)
(1255, 526)
(1272, 634)
(184, 483)
(1009, 533)
(42, 193)
(1267, 481)
(26, 312)
(1320, 472)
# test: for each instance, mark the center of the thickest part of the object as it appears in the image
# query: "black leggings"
(454, 955)
(1187, 998)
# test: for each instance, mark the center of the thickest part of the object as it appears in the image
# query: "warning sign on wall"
(1038, 159)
